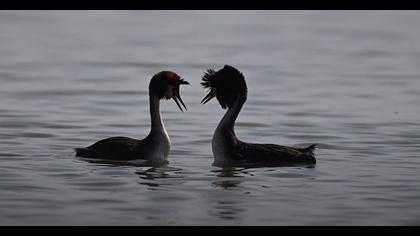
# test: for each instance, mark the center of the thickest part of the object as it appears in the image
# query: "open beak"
(177, 97)
(209, 96)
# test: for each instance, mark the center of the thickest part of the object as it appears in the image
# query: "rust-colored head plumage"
(165, 85)
(226, 85)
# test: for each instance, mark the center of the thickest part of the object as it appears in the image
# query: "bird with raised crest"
(229, 87)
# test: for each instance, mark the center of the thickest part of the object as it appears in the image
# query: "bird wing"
(114, 147)
(270, 153)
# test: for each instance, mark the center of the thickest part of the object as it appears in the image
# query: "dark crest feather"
(225, 84)
(208, 79)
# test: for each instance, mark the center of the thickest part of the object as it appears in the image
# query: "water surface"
(347, 80)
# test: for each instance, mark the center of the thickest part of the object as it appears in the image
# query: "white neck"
(158, 132)
(157, 123)
(224, 136)
(227, 123)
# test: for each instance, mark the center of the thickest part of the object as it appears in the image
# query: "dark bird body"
(118, 148)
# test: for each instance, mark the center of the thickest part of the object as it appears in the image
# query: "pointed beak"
(208, 97)
(184, 82)
(177, 97)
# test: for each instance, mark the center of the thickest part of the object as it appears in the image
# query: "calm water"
(347, 80)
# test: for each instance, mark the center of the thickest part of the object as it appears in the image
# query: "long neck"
(227, 124)
(157, 124)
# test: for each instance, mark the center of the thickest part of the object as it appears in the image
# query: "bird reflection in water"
(152, 177)
(230, 177)
(149, 172)
(227, 210)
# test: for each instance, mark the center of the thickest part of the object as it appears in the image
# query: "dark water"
(348, 80)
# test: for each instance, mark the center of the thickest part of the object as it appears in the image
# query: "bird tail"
(309, 153)
(82, 152)
(310, 149)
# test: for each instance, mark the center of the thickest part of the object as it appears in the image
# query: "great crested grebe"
(155, 147)
(229, 87)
